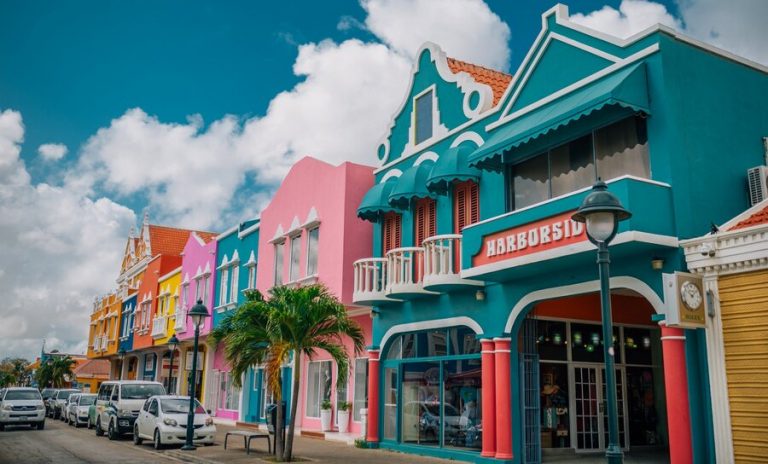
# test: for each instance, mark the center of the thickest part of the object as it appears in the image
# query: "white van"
(118, 404)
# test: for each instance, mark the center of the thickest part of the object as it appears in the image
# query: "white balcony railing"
(405, 271)
(96, 343)
(442, 263)
(181, 320)
(158, 327)
(370, 281)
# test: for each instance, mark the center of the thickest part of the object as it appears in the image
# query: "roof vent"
(757, 180)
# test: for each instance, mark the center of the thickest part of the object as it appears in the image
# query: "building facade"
(486, 337)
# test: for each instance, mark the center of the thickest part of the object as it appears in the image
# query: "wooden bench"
(247, 437)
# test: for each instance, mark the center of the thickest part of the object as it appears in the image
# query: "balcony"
(442, 264)
(370, 275)
(159, 325)
(405, 273)
(181, 320)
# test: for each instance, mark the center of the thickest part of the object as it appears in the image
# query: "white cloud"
(465, 29)
(52, 151)
(737, 26)
(632, 17)
(192, 173)
(60, 249)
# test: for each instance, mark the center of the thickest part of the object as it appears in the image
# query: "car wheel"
(41, 425)
(99, 430)
(137, 440)
(111, 432)
(157, 443)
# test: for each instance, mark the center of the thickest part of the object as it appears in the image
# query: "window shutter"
(424, 226)
(390, 232)
(466, 203)
(474, 203)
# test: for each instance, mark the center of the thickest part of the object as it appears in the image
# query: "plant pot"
(325, 419)
(343, 421)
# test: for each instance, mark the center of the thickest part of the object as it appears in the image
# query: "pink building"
(310, 233)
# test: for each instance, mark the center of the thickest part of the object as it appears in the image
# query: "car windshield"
(179, 406)
(22, 395)
(87, 400)
(140, 391)
(63, 395)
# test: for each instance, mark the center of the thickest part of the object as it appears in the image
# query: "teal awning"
(626, 88)
(376, 201)
(452, 165)
(411, 184)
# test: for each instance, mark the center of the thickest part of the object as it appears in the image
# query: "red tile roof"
(170, 240)
(92, 368)
(496, 80)
(757, 218)
(206, 236)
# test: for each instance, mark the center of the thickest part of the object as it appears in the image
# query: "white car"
(22, 406)
(77, 410)
(163, 419)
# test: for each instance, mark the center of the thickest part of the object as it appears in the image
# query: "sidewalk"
(310, 449)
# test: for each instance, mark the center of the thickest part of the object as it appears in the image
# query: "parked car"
(60, 400)
(163, 419)
(22, 406)
(77, 411)
(65, 409)
(49, 400)
(118, 404)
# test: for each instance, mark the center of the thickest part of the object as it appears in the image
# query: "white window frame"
(435, 116)
(318, 386)
(223, 286)
(235, 283)
(297, 269)
(279, 267)
(354, 387)
(309, 250)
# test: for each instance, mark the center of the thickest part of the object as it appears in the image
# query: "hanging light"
(646, 342)
(577, 338)
(590, 348)
(595, 337)
(630, 342)
(557, 338)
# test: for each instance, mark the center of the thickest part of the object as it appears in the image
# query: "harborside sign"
(546, 234)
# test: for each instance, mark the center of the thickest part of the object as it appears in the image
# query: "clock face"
(691, 295)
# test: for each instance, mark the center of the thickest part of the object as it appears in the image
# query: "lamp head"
(198, 313)
(601, 211)
(173, 342)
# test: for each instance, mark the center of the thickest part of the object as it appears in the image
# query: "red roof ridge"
(497, 80)
(756, 218)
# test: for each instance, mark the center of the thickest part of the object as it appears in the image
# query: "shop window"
(421, 406)
(361, 388)
(551, 340)
(555, 422)
(424, 220)
(466, 205)
(391, 232)
(395, 350)
(295, 257)
(643, 405)
(463, 340)
(639, 345)
(587, 343)
(390, 403)
(461, 406)
(612, 151)
(423, 117)
(432, 343)
(318, 386)
(313, 239)
(229, 394)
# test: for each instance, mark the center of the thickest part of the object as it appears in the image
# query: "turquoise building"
(486, 336)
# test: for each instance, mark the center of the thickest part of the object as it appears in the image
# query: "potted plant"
(343, 415)
(325, 415)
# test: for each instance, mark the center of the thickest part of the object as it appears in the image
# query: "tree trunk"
(280, 420)
(294, 404)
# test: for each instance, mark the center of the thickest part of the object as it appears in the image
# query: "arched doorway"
(562, 377)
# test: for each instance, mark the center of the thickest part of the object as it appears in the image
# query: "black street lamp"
(198, 313)
(602, 211)
(121, 356)
(173, 342)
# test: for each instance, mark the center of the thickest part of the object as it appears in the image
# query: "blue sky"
(196, 110)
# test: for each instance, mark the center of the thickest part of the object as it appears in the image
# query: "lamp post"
(121, 357)
(198, 313)
(602, 211)
(173, 342)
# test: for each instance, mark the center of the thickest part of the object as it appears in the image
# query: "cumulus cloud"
(52, 151)
(465, 29)
(60, 249)
(737, 26)
(192, 173)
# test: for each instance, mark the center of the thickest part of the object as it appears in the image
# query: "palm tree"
(55, 371)
(299, 320)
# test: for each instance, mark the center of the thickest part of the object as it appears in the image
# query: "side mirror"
(208, 411)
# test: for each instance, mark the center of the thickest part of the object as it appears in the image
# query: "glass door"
(620, 403)
(587, 423)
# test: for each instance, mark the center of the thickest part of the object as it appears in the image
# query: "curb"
(187, 457)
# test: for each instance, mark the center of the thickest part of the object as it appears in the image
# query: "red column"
(489, 398)
(503, 399)
(676, 387)
(372, 434)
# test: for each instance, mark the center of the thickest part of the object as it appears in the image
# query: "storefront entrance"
(563, 376)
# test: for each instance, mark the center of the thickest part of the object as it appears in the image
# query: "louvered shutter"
(424, 221)
(466, 205)
(391, 232)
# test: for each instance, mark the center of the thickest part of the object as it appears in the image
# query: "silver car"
(22, 406)
(60, 400)
(77, 409)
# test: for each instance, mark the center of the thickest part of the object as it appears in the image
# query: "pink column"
(372, 434)
(503, 399)
(676, 387)
(489, 399)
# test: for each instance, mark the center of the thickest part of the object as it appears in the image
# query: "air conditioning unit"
(757, 180)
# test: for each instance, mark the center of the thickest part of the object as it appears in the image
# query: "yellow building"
(164, 322)
(103, 331)
(91, 373)
(733, 262)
